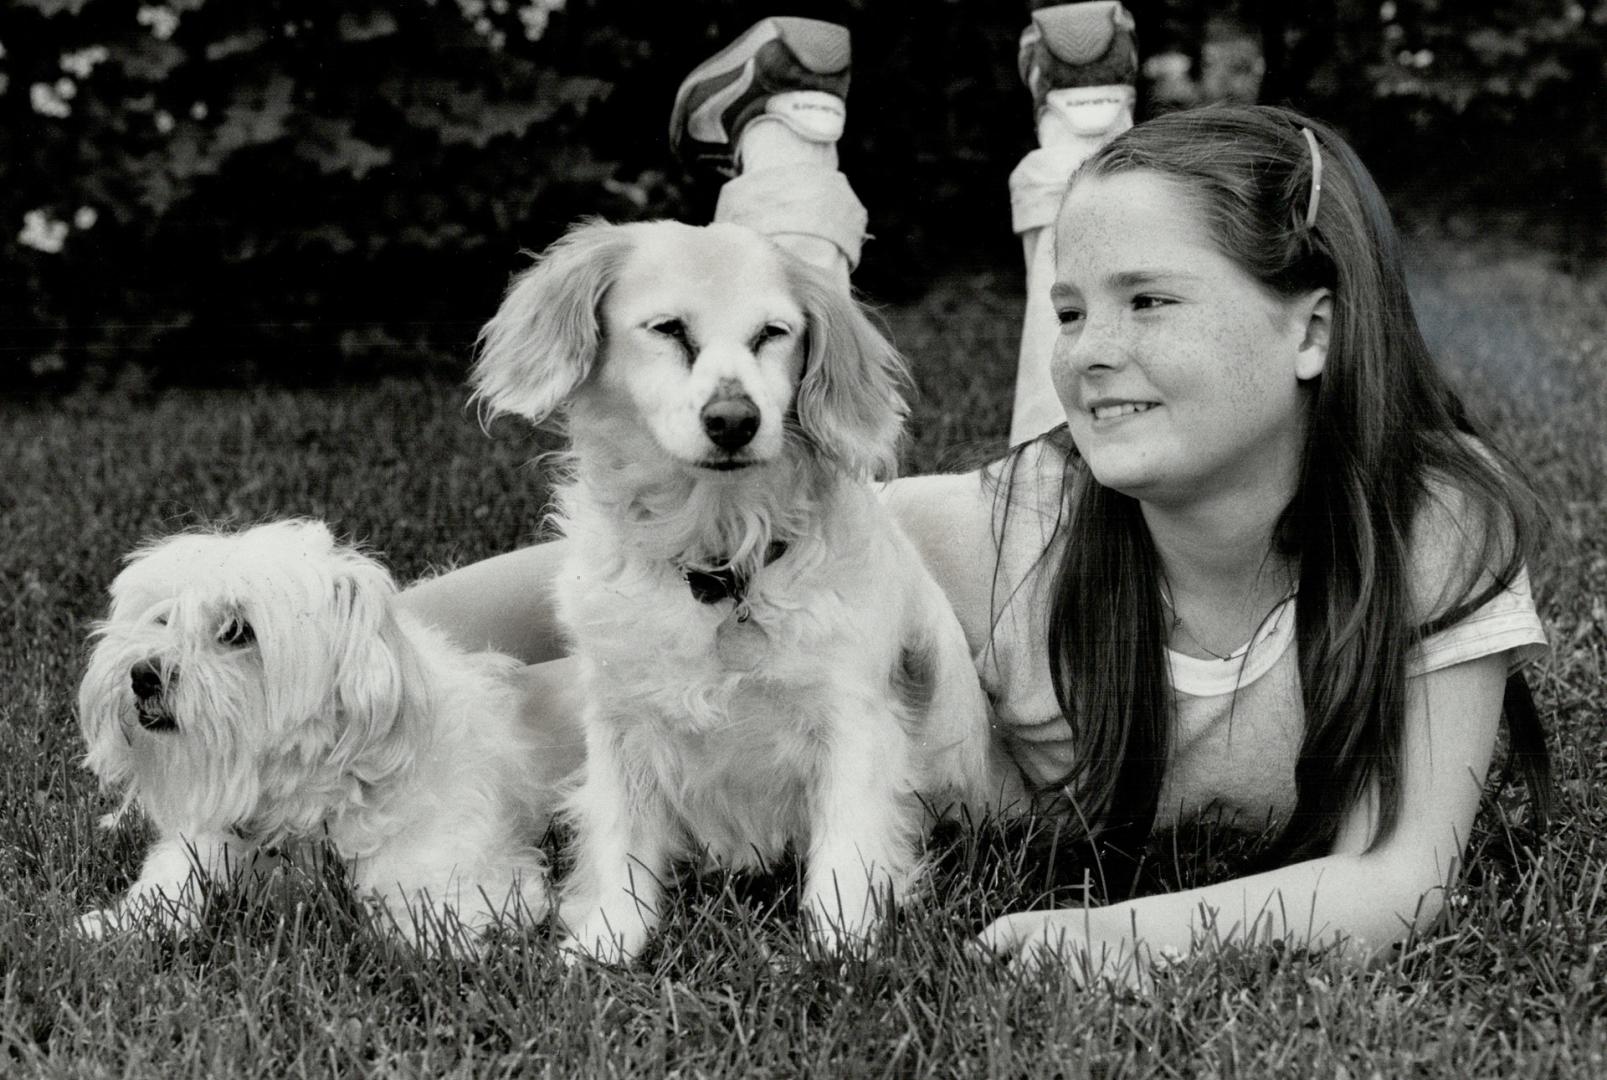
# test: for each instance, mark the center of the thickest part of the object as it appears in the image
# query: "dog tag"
(740, 643)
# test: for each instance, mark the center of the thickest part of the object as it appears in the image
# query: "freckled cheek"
(1225, 366)
(1063, 376)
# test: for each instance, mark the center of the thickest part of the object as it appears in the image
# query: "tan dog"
(766, 659)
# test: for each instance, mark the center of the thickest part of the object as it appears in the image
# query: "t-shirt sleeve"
(983, 534)
(1444, 544)
(1507, 623)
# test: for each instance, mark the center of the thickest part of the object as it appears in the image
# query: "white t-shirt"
(1239, 722)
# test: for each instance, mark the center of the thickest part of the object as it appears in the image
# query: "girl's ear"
(1317, 310)
(542, 342)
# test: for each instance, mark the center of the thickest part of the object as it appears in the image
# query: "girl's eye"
(237, 633)
(1069, 316)
(670, 328)
(1147, 303)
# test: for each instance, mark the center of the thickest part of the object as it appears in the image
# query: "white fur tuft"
(297, 705)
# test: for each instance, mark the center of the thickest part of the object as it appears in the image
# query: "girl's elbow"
(1410, 883)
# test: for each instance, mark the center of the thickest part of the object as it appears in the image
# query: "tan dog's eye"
(670, 328)
(770, 332)
(236, 632)
(676, 331)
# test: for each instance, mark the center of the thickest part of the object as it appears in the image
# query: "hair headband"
(1316, 178)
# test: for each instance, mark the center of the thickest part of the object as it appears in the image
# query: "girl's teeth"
(1108, 412)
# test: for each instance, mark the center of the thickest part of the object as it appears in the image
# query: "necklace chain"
(1179, 624)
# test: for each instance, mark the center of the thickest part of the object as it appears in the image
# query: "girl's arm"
(1363, 901)
(949, 518)
(504, 603)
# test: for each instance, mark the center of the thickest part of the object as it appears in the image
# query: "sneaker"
(790, 68)
(1069, 47)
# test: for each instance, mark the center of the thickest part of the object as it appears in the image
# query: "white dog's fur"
(828, 703)
(259, 691)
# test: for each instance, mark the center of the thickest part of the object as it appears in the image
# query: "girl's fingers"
(1004, 936)
(1031, 940)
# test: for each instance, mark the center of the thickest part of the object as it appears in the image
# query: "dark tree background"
(316, 190)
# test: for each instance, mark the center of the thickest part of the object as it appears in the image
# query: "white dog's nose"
(145, 679)
(731, 422)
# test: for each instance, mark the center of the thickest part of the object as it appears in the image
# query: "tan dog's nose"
(731, 422)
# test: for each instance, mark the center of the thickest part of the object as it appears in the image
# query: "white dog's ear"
(378, 683)
(851, 398)
(543, 340)
(108, 754)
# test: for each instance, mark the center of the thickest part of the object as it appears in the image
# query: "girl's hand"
(1072, 939)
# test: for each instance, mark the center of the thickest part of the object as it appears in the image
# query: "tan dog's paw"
(613, 940)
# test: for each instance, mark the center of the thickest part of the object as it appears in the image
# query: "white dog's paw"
(102, 924)
(162, 913)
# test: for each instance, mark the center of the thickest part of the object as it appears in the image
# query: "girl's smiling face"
(1182, 376)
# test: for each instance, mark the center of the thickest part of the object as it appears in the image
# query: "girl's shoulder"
(979, 507)
(947, 516)
(986, 529)
(1463, 541)
(1468, 580)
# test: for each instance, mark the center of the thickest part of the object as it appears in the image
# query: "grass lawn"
(1512, 983)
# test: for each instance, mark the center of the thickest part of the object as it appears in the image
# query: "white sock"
(1085, 115)
(799, 127)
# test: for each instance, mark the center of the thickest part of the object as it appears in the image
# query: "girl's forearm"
(1360, 903)
(504, 603)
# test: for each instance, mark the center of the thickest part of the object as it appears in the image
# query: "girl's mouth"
(1112, 412)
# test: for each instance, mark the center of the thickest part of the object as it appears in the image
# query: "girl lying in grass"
(1265, 566)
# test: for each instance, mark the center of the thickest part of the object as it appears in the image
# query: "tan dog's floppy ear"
(850, 401)
(542, 342)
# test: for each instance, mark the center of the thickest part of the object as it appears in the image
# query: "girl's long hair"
(1382, 422)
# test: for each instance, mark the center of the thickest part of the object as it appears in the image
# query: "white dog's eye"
(236, 632)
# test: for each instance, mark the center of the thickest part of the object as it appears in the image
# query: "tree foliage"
(292, 185)
(311, 189)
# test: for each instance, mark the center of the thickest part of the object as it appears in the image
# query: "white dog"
(257, 691)
(765, 658)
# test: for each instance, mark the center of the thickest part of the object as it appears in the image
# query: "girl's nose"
(1094, 346)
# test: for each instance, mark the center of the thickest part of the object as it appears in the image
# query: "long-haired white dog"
(256, 692)
(764, 656)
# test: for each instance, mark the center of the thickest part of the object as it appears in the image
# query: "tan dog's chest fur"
(735, 754)
(726, 405)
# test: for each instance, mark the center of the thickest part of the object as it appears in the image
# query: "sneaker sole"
(1071, 36)
(819, 47)
(1078, 34)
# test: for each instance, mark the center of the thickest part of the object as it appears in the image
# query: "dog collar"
(712, 586)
